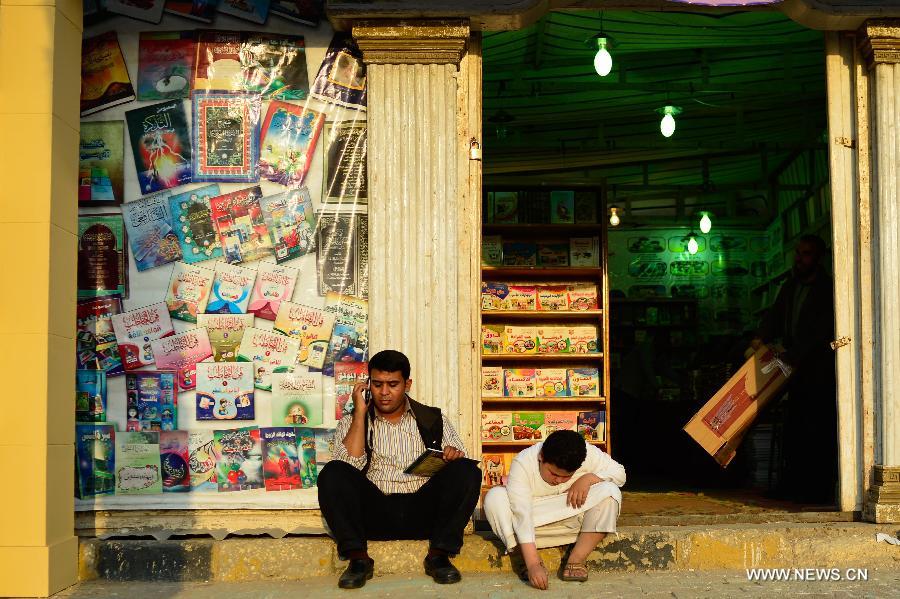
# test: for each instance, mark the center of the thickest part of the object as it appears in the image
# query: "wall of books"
(223, 252)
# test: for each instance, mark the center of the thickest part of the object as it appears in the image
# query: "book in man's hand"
(429, 463)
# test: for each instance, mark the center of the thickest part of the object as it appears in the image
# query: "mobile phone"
(368, 396)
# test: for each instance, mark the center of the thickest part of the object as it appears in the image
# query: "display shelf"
(493, 272)
(493, 358)
(544, 230)
(541, 314)
(554, 400)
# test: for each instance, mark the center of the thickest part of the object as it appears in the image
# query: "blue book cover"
(151, 234)
(255, 11)
(90, 396)
(193, 223)
(291, 223)
(151, 400)
(95, 457)
(231, 289)
(161, 145)
(225, 391)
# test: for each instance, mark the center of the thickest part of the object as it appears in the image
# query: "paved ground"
(713, 584)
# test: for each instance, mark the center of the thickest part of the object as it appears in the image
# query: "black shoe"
(357, 573)
(441, 570)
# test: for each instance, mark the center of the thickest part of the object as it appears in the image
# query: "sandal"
(575, 572)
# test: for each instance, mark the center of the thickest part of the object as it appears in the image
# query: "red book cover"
(346, 375)
(241, 225)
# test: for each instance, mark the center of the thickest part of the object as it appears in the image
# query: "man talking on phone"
(364, 493)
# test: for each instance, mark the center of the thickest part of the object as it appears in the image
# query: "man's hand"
(359, 399)
(578, 492)
(538, 576)
(451, 453)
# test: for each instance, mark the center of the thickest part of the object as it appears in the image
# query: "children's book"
(291, 222)
(552, 298)
(553, 340)
(151, 400)
(241, 226)
(562, 207)
(519, 253)
(161, 145)
(528, 426)
(341, 78)
(269, 352)
(289, 136)
(174, 460)
(255, 11)
(225, 391)
(350, 337)
(238, 459)
(491, 381)
(165, 64)
(493, 295)
(305, 12)
(96, 458)
(135, 330)
(202, 461)
(592, 425)
(584, 382)
(583, 297)
(583, 339)
(231, 289)
(90, 396)
(346, 164)
(518, 382)
(336, 244)
(312, 327)
(226, 134)
(520, 298)
(560, 421)
(346, 375)
(137, 463)
(150, 232)
(274, 65)
(102, 261)
(584, 252)
(324, 445)
(306, 443)
(491, 250)
(281, 465)
(553, 254)
(506, 207)
(101, 153)
(274, 285)
(104, 77)
(496, 426)
(225, 332)
(550, 382)
(494, 471)
(95, 339)
(519, 339)
(189, 289)
(198, 10)
(194, 226)
(181, 352)
(297, 399)
(146, 10)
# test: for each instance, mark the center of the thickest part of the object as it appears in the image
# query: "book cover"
(90, 396)
(519, 339)
(194, 226)
(101, 154)
(137, 463)
(188, 291)
(560, 421)
(160, 144)
(231, 287)
(274, 285)
(346, 375)
(492, 338)
(506, 207)
(494, 471)
(291, 222)
(528, 426)
(518, 382)
(181, 352)
(151, 400)
(583, 339)
(306, 443)
(306, 12)
(135, 330)
(281, 465)
(584, 252)
(584, 382)
(226, 134)
(96, 460)
(324, 445)
(345, 179)
(493, 295)
(496, 426)
(151, 235)
(269, 352)
(241, 226)
(255, 11)
(225, 391)
(289, 136)
(491, 250)
(550, 382)
(202, 461)
(238, 459)
(491, 381)
(583, 297)
(165, 64)
(297, 399)
(585, 207)
(337, 238)
(173, 460)
(102, 261)
(312, 327)
(592, 425)
(519, 253)
(562, 207)
(144, 10)
(341, 78)
(197, 10)
(362, 256)
(350, 336)
(520, 298)
(551, 298)
(553, 254)
(553, 340)
(225, 332)
(274, 66)
(95, 339)
(104, 77)
(218, 62)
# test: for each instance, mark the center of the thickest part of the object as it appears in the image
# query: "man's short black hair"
(390, 360)
(564, 449)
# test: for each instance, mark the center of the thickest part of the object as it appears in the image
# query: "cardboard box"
(720, 425)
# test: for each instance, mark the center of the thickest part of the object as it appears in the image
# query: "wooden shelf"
(527, 442)
(546, 400)
(542, 357)
(631, 325)
(544, 230)
(541, 314)
(539, 271)
(652, 300)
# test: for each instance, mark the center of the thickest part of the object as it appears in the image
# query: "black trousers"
(357, 511)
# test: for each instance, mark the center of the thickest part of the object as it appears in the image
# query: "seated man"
(560, 491)
(363, 492)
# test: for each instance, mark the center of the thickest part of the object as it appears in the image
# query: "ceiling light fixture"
(705, 223)
(614, 216)
(692, 246)
(667, 124)
(602, 59)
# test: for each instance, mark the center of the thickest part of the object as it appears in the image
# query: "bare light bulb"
(692, 246)
(603, 59)
(667, 125)
(614, 216)
(705, 223)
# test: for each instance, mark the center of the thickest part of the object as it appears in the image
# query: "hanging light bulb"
(603, 59)
(705, 223)
(614, 216)
(667, 124)
(692, 245)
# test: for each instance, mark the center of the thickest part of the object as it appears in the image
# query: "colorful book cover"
(255, 11)
(584, 382)
(225, 391)
(146, 10)
(137, 463)
(560, 421)
(528, 426)
(151, 400)
(550, 382)
(553, 340)
(95, 339)
(521, 298)
(289, 136)
(306, 443)
(562, 207)
(591, 425)
(583, 339)
(165, 64)
(238, 459)
(188, 292)
(297, 399)
(312, 327)
(342, 75)
(225, 332)
(96, 459)
(291, 222)
(274, 66)
(104, 77)
(519, 253)
(226, 134)
(102, 261)
(135, 330)
(551, 298)
(494, 471)
(346, 375)
(584, 252)
(181, 352)
(150, 232)
(583, 297)
(350, 336)
(161, 145)
(492, 338)
(198, 10)
(269, 352)
(281, 465)
(518, 382)
(101, 154)
(231, 287)
(90, 396)
(274, 285)
(519, 339)
(241, 226)
(553, 254)
(345, 178)
(306, 12)
(202, 461)
(491, 381)
(496, 426)
(174, 460)
(493, 295)
(336, 243)
(324, 445)
(218, 62)
(194, 226)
